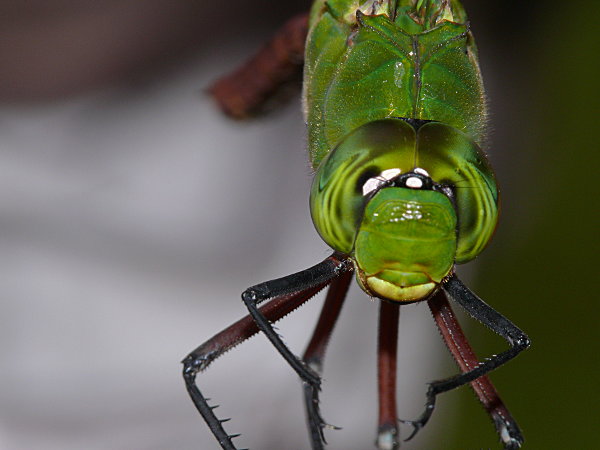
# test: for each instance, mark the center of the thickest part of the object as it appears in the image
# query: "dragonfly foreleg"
(465, 357)
(320, 274)
(315, 354)
(492, 319)
(246, 89)
(199, 360)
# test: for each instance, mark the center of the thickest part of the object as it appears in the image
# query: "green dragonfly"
(402, 192)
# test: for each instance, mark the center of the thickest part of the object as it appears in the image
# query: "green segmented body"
(390, 87)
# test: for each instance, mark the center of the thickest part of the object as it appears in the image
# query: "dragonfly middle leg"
(492, 319)
(465, 357)
(387, 343)
(315, 354)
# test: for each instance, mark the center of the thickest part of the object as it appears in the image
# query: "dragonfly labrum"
(402, 193)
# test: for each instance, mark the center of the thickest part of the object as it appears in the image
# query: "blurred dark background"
(132, 214)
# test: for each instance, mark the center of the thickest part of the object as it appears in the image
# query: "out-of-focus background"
(132, 215)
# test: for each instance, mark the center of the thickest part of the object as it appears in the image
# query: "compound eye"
(366, 160)
(465, 176)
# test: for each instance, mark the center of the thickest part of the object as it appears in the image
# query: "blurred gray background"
(132, 215)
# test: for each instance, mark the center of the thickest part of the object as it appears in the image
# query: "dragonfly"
(402, 193)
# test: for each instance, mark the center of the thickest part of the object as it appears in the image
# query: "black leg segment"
(285, 294)
(466, 359)
(323, 272)
(492, 319)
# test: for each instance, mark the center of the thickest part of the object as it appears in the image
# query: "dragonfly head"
(406, 201)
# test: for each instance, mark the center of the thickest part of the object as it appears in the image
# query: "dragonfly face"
(390, 197)
(405, 244)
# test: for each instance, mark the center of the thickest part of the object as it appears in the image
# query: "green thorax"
(375, 59)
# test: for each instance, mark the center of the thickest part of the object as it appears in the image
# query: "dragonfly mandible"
(402, 192)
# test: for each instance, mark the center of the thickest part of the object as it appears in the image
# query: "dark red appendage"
(387, 345)
(315, 350)
(243, 91)
(466, 359)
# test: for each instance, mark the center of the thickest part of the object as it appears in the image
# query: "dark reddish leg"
(467, 360)
(315, 353)
(245, 90)
(387, 436)
(455, 290)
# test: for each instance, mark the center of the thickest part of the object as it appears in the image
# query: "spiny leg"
(205, 354)
(466, 359)
(245, 90)
(489, 317)
(387, 435)
(315, 353)
(323, 272)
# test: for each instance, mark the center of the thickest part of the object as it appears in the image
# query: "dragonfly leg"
(199, 360)
(489, 317)
(323, 272)
(246, 89)
(387, 436)
(315, 354)
(465, 357)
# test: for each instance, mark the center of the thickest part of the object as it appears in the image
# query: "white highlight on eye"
(414, 183)
(371, 185)
(375, 183)
(390, 173)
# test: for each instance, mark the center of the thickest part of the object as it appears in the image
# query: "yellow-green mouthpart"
(397, 286)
